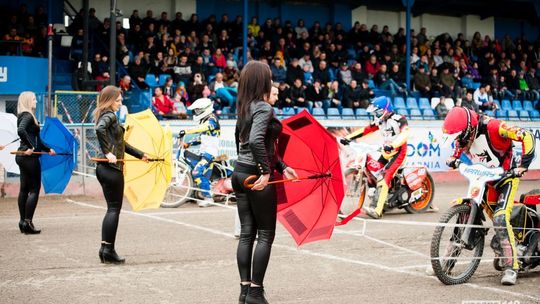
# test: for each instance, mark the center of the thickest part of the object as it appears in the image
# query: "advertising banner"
(18, 74)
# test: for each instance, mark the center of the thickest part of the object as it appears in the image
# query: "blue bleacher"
(528, 105)
(535, 115)
(371, 84)
(506, 105)
(288, 111)
(411, 103)
(424, 103)
(361, 114)
(333, 113)
(151, 80)
(501, 114)
(512, 115)
(402, 112)
(415, 114)
(319, 112)
(399, 103)
(516, 105)
(428, 114)
(276, 111)
(524, 115)
(497, 102)
(346, 113)
(490, 113)
(163, 79)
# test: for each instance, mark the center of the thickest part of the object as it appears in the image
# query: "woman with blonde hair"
(110, 175)
(28, 161)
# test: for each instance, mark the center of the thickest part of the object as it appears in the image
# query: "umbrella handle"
(37, 153)
(103, 160)
(250, 180)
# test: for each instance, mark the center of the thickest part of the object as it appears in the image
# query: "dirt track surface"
(187, 255)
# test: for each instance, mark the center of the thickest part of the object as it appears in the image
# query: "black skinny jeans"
(258, 212)
(30, 168)
(112, 182)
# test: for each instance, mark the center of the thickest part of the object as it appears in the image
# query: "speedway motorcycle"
(458, 244)
(412, 188)
(182, 188)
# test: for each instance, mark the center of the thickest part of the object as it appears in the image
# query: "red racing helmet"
(460, 123)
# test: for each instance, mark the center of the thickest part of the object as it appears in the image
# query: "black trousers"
(30, 168)
(258, 212)
(112, 182)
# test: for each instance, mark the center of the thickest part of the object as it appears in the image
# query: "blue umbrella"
(57, 170)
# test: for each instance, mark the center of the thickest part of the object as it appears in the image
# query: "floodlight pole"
(244, 33)
(112, 46)
(408, 6)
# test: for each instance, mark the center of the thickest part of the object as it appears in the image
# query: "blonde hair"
(25, 104)
(105, 100)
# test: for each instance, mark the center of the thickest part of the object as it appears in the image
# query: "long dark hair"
(254, 86)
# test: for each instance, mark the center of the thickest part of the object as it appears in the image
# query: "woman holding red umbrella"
(256, 134)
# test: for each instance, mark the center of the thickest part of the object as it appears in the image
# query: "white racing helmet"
(201, 108)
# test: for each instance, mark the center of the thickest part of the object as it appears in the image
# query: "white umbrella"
(8, 138)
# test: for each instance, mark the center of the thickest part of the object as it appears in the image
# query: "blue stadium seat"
(497, 102)
(402, 112)
(516, 105)
(501, 114)
(319, 112)
(411, 103)
(415, 114)
(428, 114)
(163, 79)
(361, 114)
(288, 111)
(524, 115)
(399, 103)
(512, 115)
(371, 84)
(475, 85)
(146, 98)
(333, 113)
(346, 113)
(490, 113)
(151, 80)
(535, 115)
(506, 105)
(276, 111)
(424, 103)
(528, 105)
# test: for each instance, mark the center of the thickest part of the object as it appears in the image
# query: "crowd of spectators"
(23, 32)
(322, 65)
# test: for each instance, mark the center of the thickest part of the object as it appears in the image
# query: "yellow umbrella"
(146, 183)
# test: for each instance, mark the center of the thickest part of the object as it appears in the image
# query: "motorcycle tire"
(180, 189)
(424, 202)
(450, 271)
(355, 192)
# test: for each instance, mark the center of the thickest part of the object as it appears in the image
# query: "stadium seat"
(276, 111)
(411, 103)
(288, 111)
(524, 115)
(402, 112)
(512, 115)
(371, 84)
(319, 112)
(399, 103)
(333, 113)
(434, 102)
(361, 114)
(516, 105)
(415, 114)
(501, 114)
(497, 102)
(151, 80)
(535, 115)
(506, 105)
(428, 114)
(163, 79)
(528, 105)
(424, 103)
(346, 113)
(475, 85)
(490, 113)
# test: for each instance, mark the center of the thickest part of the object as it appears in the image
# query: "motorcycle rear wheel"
(355, 192)
(424, 202)
(180, 190)
(448, 253)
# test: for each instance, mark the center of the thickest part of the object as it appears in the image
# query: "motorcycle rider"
(395, 130)
(209, 131)
(489, 141)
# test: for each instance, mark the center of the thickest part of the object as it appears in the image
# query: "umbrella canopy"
(309, 209)
(8, 135)
(56, 170)
(146, 183)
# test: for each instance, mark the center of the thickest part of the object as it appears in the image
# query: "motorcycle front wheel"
(355, 192)
(452, 262)
(180, 190)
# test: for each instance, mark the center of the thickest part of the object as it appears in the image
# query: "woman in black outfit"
(257, 130)
(29, 165)
(110, 135)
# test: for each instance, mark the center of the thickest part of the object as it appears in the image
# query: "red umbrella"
(308, 209)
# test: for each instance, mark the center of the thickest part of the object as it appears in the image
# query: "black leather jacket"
(110, 135)
(259, 147)
(28, 132)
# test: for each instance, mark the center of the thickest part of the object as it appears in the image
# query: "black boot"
(243, 293)
(21, 226)
(28, 228)
(107, 254)
(256, 296)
